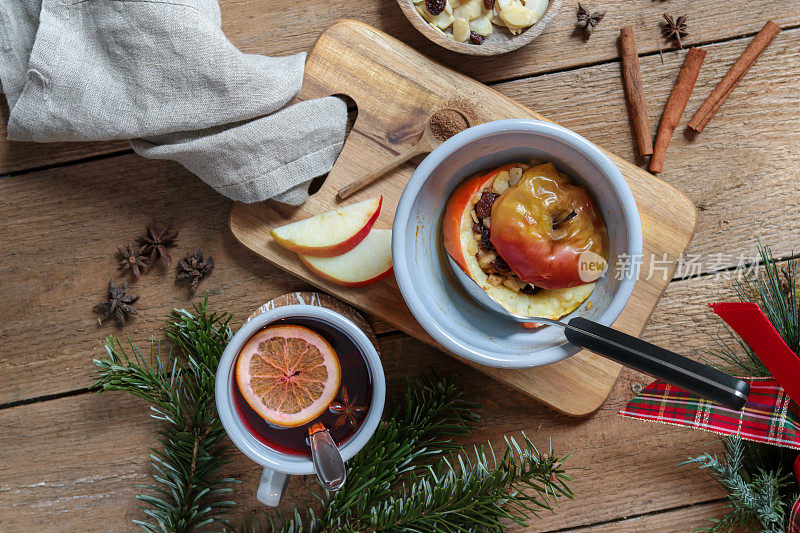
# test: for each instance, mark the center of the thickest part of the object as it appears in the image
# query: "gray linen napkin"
(162, 73)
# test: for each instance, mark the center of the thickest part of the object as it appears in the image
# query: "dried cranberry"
(484, 206)
(486, 244)
(475, 38)
(500, 265)
(530, 289)
(477, 228)
(488, 4)
(435, 7)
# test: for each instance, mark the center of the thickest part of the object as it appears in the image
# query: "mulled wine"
(344, 414)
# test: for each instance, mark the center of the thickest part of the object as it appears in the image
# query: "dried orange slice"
(288, 374)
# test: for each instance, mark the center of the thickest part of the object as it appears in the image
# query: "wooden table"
(71, 459)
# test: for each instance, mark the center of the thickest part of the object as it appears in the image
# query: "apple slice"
(332, 233)
(368, 262)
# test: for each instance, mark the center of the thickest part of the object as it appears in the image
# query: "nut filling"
(497, 270)
(471, 21)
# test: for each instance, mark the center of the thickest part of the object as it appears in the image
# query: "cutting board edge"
(347, 32)
(582, 410)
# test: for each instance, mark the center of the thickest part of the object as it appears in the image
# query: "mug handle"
(271, 487)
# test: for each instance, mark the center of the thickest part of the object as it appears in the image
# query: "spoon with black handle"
(703, 380)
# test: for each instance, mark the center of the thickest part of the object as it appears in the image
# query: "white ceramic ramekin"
(424, 276)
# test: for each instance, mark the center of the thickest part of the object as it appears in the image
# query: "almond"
(481, 26)
(517, 16)
(460, 29)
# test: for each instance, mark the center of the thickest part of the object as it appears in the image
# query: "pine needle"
(400, 481)
(412, 475)
(757, 477)
(188, 491)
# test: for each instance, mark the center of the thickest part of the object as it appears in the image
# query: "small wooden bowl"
(499, 42)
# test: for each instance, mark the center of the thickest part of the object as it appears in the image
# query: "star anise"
(348, 410)
(193, 267)
(156, 243)
(588, 21)
(675, 28)
(133, 259)
(118, 303)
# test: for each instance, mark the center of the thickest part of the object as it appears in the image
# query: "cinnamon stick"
(732, 78)
(676, 104)
(632, 79)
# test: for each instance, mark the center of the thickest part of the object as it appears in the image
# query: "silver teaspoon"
(328, 462)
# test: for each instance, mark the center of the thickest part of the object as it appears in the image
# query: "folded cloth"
(162, 73)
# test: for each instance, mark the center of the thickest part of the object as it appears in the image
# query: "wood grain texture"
(19, 156)
(501, 41)
(84, 455)
(675, 521)
(247, 24)
(379, 74)
(741, 167)
(251, 26)
(60, 227)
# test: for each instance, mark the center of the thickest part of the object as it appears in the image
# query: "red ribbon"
(755, 329)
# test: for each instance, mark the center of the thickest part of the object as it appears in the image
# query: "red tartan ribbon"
(769, 416)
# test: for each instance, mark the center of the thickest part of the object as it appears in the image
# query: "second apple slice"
(368, 262)
(332, 233)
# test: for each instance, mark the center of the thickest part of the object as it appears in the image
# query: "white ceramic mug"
(279, 466)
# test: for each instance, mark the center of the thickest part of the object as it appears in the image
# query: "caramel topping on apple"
(534, 230)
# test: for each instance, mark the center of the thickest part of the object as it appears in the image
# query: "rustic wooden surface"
(71, 459)
(393, 109)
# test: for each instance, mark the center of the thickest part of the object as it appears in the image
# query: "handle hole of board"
(352, 114)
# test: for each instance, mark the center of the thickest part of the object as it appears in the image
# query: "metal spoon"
(328, 462)
(627, 350)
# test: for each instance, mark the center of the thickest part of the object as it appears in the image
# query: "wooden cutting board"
(396, 89)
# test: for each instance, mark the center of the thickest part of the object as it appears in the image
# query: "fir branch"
(188, 491)
(398, 482)
(774, 289)
(758, 477)
(462, 494)
(758, 494)
(392, 485)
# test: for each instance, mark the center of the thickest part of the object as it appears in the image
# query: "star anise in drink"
(133, 258)
(193, 267)
(675, 28)
(156, 242)
(118, 304)
(348, 410)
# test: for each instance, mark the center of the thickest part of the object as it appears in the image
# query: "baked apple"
(541, 225)
(469, 228)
